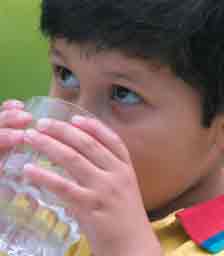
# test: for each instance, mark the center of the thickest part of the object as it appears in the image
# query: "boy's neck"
(208, 188)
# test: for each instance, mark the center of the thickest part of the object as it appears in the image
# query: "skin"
(152, 155)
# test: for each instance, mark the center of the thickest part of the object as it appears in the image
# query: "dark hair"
(184, 34)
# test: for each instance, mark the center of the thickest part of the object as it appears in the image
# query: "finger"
(68, 191)
(10, 138)
(1, 167)
(82, 142)
(103, 134)
(72, 161)
(12, 104)
(14, 119)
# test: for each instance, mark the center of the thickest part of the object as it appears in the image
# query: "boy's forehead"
(111, 61)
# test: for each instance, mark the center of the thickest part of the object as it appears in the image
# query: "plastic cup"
(38, 218)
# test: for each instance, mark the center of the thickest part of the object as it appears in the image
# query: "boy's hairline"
(90, 49)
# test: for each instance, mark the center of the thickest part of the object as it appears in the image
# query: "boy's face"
(156, 114)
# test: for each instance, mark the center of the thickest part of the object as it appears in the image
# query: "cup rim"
(57, 99)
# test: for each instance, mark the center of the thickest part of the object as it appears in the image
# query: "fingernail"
(78, 119)
(13, 103)
(24, 115)
(28, 167)
(29, 135)
(43, 124)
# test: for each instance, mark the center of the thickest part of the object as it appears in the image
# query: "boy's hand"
(12, 120)
(102, 190)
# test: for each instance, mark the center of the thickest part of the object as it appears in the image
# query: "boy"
(152, 71)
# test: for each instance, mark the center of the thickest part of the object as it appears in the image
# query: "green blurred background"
(24, 69)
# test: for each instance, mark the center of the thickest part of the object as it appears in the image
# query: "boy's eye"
(125, 96)
(66, 78)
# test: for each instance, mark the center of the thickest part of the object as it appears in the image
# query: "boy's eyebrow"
(119, 75)
(112, 74)
(56, 52)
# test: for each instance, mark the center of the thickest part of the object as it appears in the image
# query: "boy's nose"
(96, 106)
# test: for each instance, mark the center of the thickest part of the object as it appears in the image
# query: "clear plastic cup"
(34, 221)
